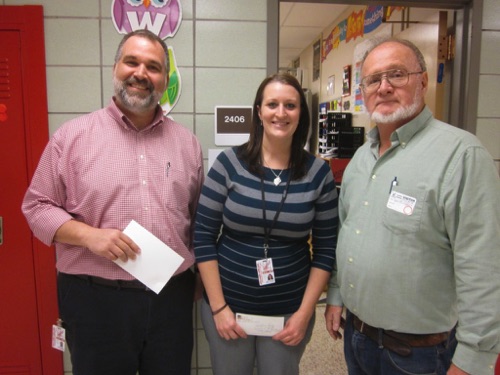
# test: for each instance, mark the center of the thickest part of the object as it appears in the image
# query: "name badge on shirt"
(401, 203)
(265, 271)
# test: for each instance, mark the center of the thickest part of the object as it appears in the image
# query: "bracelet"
(219, 310)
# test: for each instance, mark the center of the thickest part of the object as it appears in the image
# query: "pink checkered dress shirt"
(100, 170)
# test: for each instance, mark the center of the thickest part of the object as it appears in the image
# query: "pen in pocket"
(393, 183)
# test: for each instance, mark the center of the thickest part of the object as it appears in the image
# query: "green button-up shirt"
(419, 242)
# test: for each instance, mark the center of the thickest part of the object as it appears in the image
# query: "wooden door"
(28, 304)
(430, 38)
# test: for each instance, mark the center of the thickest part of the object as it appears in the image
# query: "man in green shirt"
(418, 255)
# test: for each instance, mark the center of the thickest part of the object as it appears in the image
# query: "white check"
(259, 325)
(156, 263)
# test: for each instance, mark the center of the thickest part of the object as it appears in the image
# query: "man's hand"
(334, 321)
(111, 244)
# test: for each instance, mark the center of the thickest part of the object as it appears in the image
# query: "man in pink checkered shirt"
(99, 171)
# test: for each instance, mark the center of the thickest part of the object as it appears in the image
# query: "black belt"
(400, 343)
(117, 284)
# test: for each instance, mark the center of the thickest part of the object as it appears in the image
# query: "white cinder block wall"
(221, 50)
(488, 113)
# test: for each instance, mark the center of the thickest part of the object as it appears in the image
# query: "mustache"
(142, 82)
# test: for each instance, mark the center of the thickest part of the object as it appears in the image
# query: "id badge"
(265, 271)
(401, 203)
(58, 337)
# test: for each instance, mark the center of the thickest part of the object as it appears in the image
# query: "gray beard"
(399, 115)
(135, 102)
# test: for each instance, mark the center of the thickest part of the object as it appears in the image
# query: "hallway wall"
(488, 116)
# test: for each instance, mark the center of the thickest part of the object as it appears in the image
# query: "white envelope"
(156, 263)
(260, 325)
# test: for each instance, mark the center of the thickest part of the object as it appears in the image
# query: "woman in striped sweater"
(261, 204)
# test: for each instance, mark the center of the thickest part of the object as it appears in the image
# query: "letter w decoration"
(162, 17)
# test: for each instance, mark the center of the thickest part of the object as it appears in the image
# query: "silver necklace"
(277, 179)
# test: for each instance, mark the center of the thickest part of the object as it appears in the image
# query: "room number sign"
(232, 125)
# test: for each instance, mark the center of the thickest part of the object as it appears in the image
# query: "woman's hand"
(226, 325)
(295, 329)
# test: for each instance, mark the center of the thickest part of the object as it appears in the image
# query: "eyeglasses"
(395, 77)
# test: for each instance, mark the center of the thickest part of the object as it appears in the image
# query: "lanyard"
(267, 231)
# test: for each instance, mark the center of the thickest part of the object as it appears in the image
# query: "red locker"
(28, 294)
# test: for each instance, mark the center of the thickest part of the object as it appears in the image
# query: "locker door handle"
(1, 230)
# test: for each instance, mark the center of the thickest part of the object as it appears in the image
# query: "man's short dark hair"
(143, 33)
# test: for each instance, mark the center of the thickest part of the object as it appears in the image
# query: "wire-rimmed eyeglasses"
(395, 77)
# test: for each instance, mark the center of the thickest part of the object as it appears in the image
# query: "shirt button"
(351, 286)
(365, 203)
(141, 157)
(403, 144)
(144, 182)
(350, 260)
(374, 177)
(358, 231)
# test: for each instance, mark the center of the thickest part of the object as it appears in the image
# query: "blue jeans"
(364, 357)
(113, 331)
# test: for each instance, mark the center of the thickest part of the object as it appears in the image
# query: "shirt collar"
(121, 119)
(405, 133)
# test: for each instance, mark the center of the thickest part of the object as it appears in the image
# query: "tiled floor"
(323, 355)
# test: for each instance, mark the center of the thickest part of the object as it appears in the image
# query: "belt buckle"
(397, 346)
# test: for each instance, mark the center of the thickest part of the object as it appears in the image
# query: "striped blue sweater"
(229, 229)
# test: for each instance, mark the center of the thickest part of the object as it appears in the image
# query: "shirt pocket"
(400, 223)
(176, 191)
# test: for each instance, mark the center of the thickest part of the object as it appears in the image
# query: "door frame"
(28, 20)
(464, 86)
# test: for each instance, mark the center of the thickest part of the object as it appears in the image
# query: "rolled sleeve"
(44, 201)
